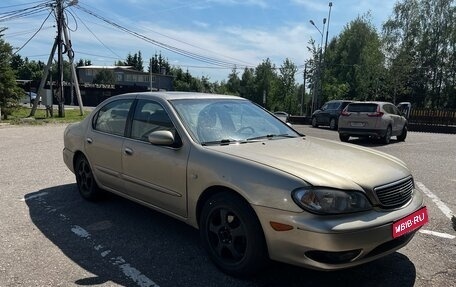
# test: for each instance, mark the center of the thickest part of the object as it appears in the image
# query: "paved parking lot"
(49, 236)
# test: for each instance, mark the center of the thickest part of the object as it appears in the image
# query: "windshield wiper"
(271, 136)
(223, 142)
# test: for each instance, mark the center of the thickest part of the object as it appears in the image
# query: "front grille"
(395, 194)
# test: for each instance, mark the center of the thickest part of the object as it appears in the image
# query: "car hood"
(321, 162)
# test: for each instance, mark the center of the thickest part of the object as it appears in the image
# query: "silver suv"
(380, 120)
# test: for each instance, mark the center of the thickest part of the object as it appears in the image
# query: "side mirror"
(165, 138)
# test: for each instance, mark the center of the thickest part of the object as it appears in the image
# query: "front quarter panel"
(258, 184)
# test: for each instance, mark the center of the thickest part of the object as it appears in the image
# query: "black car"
(328, 114)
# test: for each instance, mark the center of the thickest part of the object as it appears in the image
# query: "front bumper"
(334, 242)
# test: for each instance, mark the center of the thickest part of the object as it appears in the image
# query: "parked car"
(253, 186)
(380, 120)
(405, 108)
(283, 116)
(29, 98)
(328, 114)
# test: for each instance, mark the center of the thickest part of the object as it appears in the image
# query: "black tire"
(387, 137)
(85, 180)
(232, 235)
(314, 122)
(332, 124)
(344, 138)
(403, 135)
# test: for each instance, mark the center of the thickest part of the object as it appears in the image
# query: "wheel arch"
(213, 190)
(76, 156)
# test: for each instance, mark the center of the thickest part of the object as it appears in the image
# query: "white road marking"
(34, 196)
(81, 232)
(104, 253)
(442, 206)
(128, 270)
(438, 234)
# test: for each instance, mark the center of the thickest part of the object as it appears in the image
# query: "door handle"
(128, 151)
(89, 140)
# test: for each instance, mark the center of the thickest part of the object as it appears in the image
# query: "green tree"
(420, 42)
(247, 84)
(354, 62)
(286, 96)
(158, 63)
(10, 93)
(105, 76)
(66, 71)
(86, 62)
(234, 83)
(265, 83)
(30, 70)
(135, 61)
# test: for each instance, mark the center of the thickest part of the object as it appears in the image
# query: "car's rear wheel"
(85, 180)
(403, 135)
(387, 137)
(344, 138)
(232, 235)
(333, 124)
(314, 122)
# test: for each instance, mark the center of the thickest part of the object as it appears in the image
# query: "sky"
(240, 33)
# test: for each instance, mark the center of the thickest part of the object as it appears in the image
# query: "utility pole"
(327, 28)
(303, 88)
(62, 34)
(60, 94)
(150, 73)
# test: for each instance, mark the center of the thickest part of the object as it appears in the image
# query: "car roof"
(180, 95)
(339, 101)
(371, 102)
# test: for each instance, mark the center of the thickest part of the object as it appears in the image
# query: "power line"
(39, 29)
(23, 4)
(98, 39)
(66, 21)
(95, 55)
(21, 13)
(194, 56)
(25, 32)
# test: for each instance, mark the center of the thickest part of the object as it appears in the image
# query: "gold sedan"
(254, 187)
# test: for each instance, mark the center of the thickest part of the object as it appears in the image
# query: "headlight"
(330, 201)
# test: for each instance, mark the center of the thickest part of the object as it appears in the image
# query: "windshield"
(215, 121)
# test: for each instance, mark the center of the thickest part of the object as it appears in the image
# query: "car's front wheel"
(232, 235)
(85, 181)
(314, 122)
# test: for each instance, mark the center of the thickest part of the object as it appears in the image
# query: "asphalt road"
(49, 236)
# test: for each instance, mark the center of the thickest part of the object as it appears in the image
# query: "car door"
(393, 113)
(399, 120)
(155, 174)
(323, 116)
(104, 141)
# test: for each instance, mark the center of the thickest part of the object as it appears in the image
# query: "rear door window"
(112, 118)
(362, 108)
